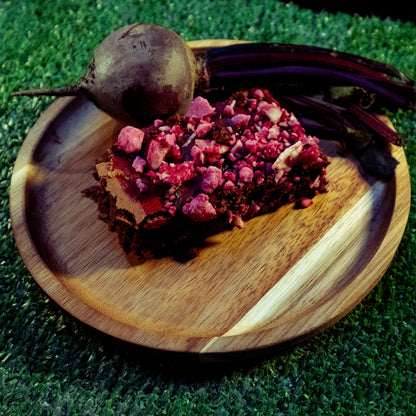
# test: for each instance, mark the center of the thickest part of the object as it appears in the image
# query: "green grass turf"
(51, 364)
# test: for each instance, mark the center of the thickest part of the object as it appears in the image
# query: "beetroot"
(139, 73)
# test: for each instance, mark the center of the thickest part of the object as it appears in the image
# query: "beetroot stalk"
(272, 53)
(374, 123)
(315, 78)
(54, 92)
(307, 67)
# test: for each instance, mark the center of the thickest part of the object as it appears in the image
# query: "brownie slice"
(166, 187)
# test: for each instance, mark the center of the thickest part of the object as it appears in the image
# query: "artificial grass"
(51, 364)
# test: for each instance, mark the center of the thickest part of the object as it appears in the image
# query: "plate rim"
(61, 295)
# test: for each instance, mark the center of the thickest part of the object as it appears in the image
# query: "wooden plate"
(285, 277)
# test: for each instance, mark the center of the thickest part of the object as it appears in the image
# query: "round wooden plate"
(284, 277)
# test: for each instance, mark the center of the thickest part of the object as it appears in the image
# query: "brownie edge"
(167, 187)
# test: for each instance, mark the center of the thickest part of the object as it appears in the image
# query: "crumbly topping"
(130, 139)
(199, 108)
(199, 209)
(246, 140)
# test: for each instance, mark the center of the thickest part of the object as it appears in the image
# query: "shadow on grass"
(182, 367)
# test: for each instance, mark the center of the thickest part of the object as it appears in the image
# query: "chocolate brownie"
(166, 187)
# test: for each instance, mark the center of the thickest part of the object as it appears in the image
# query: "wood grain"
(285, 277)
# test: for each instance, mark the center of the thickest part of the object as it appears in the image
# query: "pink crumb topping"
(199, 108)
(170, 139)
(251, 146)
(273, 132)
(141, 185)
(230, 175)
(176, 174)
(305, 202)
(205, 150)
(176, 130)
(158, 123)
(228, 110)
(258, 94)
(259, 175)
(212, 179)
(139, 164)
(203, 129)
(246, 174)
(241, 120)
(229, 185)
(271, 111)
(156, 153)
(199, 209)
(130, 139)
